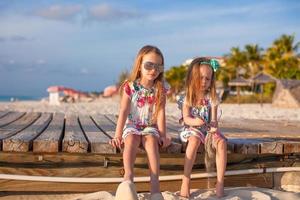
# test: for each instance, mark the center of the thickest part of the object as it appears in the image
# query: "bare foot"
(220, 189)
(185, 190)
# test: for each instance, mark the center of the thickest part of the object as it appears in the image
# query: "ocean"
(18, 98)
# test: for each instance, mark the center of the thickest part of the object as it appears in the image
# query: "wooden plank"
(74, 140)
(291, 147)
(10, 117)
(18, 125)
(50, 139)
(105, 125)
(63, 158)
(3, 113)
(247, 146)
(22, 141)
(258, 180)
(274, 147)
(98, 140)
(112, 118)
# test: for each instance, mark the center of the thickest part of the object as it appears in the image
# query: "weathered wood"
(247, 146)
(82, 168)
(291, 147)
(113, 159)
(112, 118)
(105, 125)
(3, 113)
(274, 147)
(258, 180)
(98, 140)
(22, 141)
(50, 139)
(18, 125)
(10, 117)
(74, 140)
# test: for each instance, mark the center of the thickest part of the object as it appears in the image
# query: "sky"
(85, 45)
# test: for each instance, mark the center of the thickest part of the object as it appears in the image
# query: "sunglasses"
(150, 66)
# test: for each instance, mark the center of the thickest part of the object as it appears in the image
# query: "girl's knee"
(194, 141)
(222, 144)
(132, 139)
(150, 138)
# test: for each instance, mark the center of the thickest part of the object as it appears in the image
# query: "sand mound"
(242, 193)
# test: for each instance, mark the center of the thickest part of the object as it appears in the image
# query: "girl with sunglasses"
(141, 119)
(199, 116)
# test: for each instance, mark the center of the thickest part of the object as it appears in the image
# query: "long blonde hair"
(158, 82)
(193, 85)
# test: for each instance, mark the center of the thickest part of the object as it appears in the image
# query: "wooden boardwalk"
(50, 144)
(53, 133)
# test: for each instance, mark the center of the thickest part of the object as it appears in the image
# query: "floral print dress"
(139, 120)
(202, 111)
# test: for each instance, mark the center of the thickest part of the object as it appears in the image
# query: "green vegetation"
(122, 77)
(175, 77)
(280, 61)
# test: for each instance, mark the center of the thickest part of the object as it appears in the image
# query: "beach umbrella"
(55, 88)
(260, 79)
(110, 91)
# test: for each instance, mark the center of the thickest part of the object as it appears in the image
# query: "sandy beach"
(237, 193)
(233, 115)
(111, 106)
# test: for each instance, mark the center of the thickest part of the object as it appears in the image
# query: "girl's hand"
(200, 121)
(213, 124)
(164, 141)
(213, 127)
(116, 142)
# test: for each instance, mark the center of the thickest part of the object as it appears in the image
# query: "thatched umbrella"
(261, 79)
(239, 82)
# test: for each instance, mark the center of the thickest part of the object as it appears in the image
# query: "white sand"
(111, 106)
(237, 193)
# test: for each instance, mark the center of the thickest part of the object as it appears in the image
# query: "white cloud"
(59, 12)
(40, 62)
(207, 12)
(11, 62)
(84, 71)
(103, 12)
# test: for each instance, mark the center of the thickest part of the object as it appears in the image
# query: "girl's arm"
(123, 113)
(188, 120)
(161, 124)
(214, 117)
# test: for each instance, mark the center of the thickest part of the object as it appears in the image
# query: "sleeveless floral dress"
(139, 120)
(202, 111)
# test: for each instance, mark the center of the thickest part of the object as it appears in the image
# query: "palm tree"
(235, 60)
(281, 58)
(176, 77)
(254, 58)
(122, 77)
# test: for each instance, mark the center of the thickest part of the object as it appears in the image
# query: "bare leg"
(221, 161)
(132, 143)
(190, 156)
(150, 143)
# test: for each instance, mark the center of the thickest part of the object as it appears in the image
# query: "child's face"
(151, 66)
(205, 76)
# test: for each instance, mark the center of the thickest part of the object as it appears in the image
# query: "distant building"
(221, 60)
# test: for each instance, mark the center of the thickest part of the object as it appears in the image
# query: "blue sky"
(86, 44)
